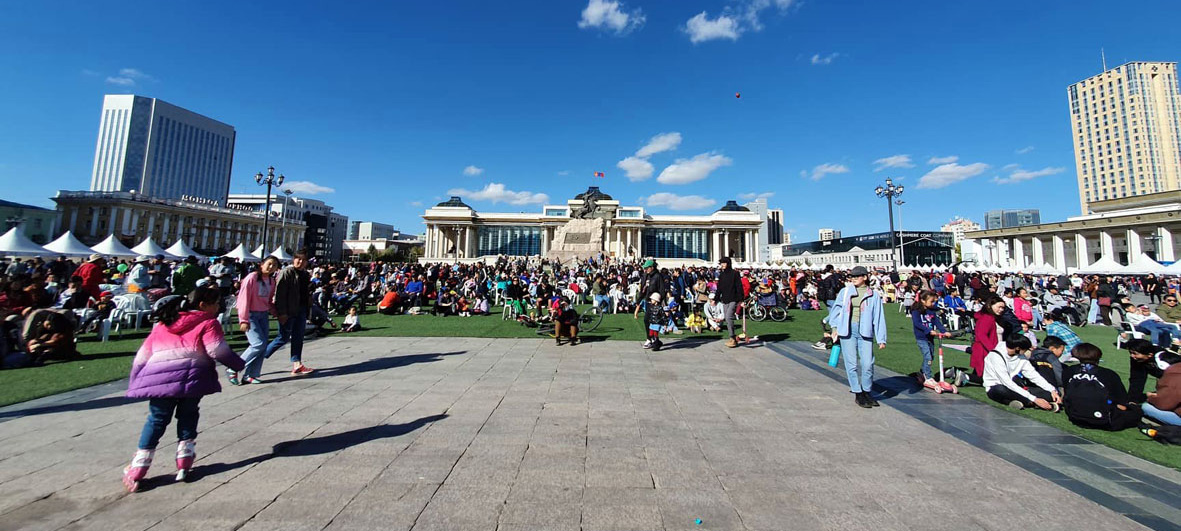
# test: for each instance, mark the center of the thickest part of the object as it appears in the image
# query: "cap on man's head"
(142, 258)
(95, 257)
(859, 271)
(649, 263)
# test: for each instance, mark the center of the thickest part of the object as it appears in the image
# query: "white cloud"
(700, 28)
(1024, 150)
(943, 160)
(753, 8)
(818, 59)
(135, 74)
(121, 81)
(1010, 167)
(416, 203)
(893, 161)
(609, 15)
(949, 174)
(679, 202)
(564, 172)
(825, 169)
(307, 188)
(497, 193)
(637, 169)
(685, 171)
(472, 171)
(127, 77)
(756, 196)
(660, 143)
(1019, 174)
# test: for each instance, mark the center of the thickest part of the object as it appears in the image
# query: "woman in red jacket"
(987, 336)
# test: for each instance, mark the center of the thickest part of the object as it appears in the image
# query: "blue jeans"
(160, 411)
(603, 302)
(858, 354)
(927, 347)
(291, 331)
(1163, 417)
(257, 337)
(1162, 334)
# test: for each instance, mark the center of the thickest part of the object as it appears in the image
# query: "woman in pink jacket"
(256, 303)
(174, 368)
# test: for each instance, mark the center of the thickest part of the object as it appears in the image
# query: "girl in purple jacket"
(173, 369)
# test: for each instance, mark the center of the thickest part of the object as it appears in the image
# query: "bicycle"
(766, 305)
(588, 321)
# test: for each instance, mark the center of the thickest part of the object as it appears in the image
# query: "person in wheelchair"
(565, 322)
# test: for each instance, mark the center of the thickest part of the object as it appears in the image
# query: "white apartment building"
(157, 149)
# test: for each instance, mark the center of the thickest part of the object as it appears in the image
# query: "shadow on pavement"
(376, 364)
(320, 445)
(97, 403)
(896, 385)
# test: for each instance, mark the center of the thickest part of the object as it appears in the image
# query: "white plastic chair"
(115, 320)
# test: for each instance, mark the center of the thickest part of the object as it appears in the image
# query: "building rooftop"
(10, 204)
(455, 201)
(733, 206)
(594, 192)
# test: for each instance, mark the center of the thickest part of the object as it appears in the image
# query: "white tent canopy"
(181, 249)
(258, 252)
(1105, 265)
(239, 253)
(1143, 265)
(1174, 268)
(148, 247)
(68, 245)
(112, 247)
(282, 254)
(13, 243)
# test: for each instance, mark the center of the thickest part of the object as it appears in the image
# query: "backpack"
(1086, 399)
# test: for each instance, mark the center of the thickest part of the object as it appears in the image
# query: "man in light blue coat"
(858, 320)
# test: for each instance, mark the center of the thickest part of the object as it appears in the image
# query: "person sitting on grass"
(352, 322)
(1046, 359)
(1027, 331)
(1146, 359)
(565, 322)
(1094, 396)
(1056, 326)
(715, 313)
(445, 305)
(1164, 406)
(1010, 378)
(695, 322)
(390, 303)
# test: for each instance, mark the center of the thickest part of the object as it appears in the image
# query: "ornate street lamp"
(270, 180)
(890, 191)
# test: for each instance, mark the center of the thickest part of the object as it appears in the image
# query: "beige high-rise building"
(1126, 128)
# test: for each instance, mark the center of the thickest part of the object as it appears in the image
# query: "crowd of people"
(46, 305)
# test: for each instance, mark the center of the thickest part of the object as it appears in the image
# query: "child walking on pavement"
(858, 320)
(927, 327)
(653, 321)
(173, 369)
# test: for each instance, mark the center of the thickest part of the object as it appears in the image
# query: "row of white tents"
(13, 243)
(1142, 265)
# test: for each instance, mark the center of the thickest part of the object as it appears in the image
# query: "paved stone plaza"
(488, 434)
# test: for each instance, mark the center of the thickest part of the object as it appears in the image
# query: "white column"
(126, 221)
(544, 241)
(1164, 246)
(725, 243)
(462, 248)
(1080, 250)
(1106, 245)
(627, 238)
(164, 230)
(715, 248)
(111, 220)
(151, 223)
(1059, 252)
(1019, 253)
(1133, 238)
(1039, 256)
(985, 253)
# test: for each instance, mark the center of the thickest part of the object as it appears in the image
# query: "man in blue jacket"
(858, 320)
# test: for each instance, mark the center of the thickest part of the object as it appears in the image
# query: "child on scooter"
(927, 327)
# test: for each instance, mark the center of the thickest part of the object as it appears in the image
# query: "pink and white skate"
(137, 470)
(931, 384)
(186, 453)
(948, 388)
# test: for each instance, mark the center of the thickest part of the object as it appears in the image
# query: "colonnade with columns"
(1063, 250)
(459, 241)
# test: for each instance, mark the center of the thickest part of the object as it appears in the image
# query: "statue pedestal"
(578, 238)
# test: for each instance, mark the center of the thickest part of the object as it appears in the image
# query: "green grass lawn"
(105, 362)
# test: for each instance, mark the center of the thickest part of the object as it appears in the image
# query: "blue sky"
(384, 107)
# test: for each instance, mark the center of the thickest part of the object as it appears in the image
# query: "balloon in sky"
(738, 95)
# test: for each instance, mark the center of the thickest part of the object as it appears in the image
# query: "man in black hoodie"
(1146, 359)
(730, 293)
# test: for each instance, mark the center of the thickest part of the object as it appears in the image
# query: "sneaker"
(233, 376)
(302, 370)
(859, 399)
(252, 380)
(557, 341)
(1017, 404)
(648, 344)
(871, 400)
(1054, 407)
(732, 343)
(819, 345)
(931, 384)
(138, 469)
(574, 341)
(186, 453)
(656, 345)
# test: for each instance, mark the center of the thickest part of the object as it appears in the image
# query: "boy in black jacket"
(1095, 397)
(1146, 359)
(653, 320)
(1045, 359)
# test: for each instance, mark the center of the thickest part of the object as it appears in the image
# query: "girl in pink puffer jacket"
(174, 368)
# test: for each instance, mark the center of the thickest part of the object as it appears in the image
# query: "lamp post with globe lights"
(270, 180)
(890, 191)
